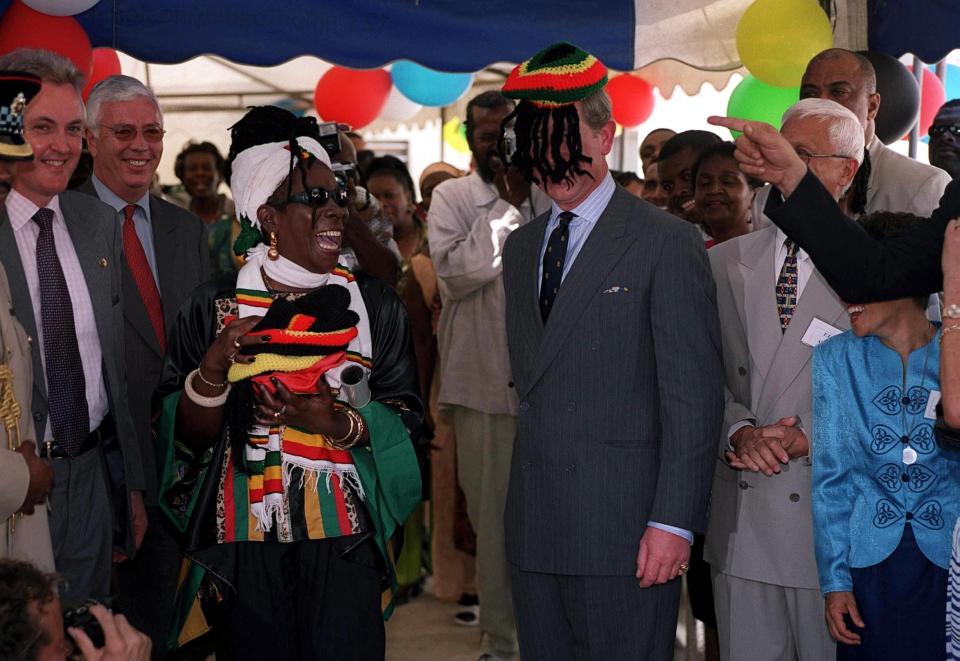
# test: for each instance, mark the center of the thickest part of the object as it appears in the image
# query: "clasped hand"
(764, 449)
(313, 412)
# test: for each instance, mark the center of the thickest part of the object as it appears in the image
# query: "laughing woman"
(289, 400)
(884, 489)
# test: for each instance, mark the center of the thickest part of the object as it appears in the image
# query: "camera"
(508, 145)
(81, 618)
(329, 134)
(345, 172)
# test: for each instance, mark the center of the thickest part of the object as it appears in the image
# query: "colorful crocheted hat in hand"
(308, 336)
(548, 85)
(556, 76)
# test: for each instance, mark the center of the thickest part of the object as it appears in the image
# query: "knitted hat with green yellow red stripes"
(548, 86)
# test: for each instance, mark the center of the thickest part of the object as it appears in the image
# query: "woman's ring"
(280, 411)
(236, 343)
(232, 357)
(684, 568)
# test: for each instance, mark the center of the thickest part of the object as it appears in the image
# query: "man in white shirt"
(774, 307)
(61, 251)
(470, 220)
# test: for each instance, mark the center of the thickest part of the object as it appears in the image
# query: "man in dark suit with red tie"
(165, 257)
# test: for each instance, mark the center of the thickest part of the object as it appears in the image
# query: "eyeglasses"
(945, 128)
(805, 156)
(317, 197)
(128, 132)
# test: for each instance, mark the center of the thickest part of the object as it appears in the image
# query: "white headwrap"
(258, 171)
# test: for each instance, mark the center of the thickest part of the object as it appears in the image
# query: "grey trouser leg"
(81, 527)
(761, 621)
(484, 448)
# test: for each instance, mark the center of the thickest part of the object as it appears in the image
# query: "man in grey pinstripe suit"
(615, 352)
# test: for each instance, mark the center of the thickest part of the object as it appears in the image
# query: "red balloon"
(106, 63)
(632, 99)
(932, 97)
(351, 96)
(23, 27)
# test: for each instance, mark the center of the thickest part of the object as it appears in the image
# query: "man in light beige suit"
(774, 307)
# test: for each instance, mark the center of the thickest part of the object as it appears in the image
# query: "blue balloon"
(428, 87)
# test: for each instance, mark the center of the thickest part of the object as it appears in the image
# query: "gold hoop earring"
(273, 254)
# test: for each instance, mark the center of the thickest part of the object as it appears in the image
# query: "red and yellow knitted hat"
(559, 75)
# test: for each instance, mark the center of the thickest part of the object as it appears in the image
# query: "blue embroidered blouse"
(876, 463)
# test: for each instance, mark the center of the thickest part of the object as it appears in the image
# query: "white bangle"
(200, 400)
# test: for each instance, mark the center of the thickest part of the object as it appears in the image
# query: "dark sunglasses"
(943, 128)
(317, 197)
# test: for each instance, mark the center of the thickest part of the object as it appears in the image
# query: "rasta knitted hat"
(546, 119)
(558, 75)
(310, 334)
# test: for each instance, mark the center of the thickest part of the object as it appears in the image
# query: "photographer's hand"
(121, 641)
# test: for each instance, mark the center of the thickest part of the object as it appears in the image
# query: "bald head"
(849, 79)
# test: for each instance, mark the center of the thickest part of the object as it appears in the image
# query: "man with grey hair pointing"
(774, 306)
(164, 258)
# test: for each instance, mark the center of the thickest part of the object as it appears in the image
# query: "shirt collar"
(782, 238)
(21, 210)
(107, 196)
(591, 208)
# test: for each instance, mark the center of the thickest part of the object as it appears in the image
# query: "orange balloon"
(23, 27)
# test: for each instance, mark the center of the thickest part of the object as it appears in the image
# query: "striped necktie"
(787, 286)
(553, 260)
(66, 386)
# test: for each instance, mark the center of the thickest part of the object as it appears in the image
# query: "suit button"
(794, 498)
(905, 477)
(909, 516)
(570, 468)
(571, 406)
(594, 346)
(905, 401)
(743, 484)
(524, 406)
(510, 384)
(742, 371)
(904, 439)
(38, 416)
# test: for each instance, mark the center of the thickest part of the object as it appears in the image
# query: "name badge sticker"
(931, 412)
(819, 331)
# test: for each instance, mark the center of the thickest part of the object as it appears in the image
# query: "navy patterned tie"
(66, 387)
(553, 260)
(787, 286)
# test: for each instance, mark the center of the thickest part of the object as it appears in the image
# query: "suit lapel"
(530, 294)
(817, 300)
(165, 244)
(20, 293)
(758, 298)
(600, 253)
(94, 263)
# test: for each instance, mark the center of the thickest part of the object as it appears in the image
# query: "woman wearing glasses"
(289, 401)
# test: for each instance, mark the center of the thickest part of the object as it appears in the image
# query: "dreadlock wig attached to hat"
(547, 86)
(313, 337)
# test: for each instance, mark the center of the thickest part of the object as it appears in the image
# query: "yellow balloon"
(455, 137)
(777, 38)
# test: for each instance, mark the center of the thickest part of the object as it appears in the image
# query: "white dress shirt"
(21, 212)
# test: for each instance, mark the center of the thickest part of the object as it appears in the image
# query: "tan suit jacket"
(761, 528)
(31, 537)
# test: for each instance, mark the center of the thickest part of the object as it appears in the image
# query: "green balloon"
(754, 99)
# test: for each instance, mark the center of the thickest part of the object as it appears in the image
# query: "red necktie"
(142, 275)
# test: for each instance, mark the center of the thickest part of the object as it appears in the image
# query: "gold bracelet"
(946, 330)
(210, 383)
(344, 442)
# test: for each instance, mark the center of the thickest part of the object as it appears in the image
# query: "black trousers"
(593, 618)
(146, 586)
(304, 600)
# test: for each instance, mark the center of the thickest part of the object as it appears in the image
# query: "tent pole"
(443, 122)
(915, 131)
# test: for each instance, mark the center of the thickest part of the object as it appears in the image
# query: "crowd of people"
(226, 414)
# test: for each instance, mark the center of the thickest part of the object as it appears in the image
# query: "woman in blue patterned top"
(884, 491)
